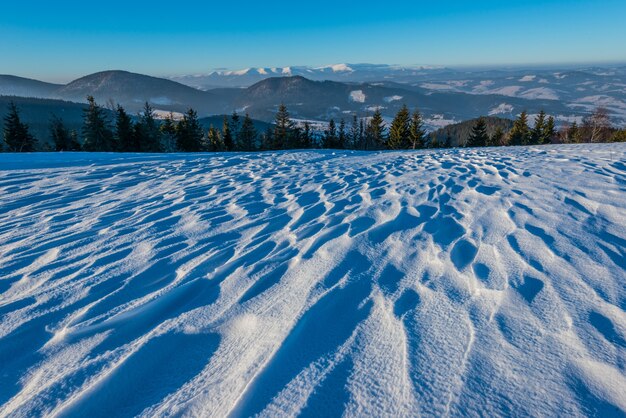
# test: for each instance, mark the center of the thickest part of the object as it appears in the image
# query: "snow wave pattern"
(462, 282)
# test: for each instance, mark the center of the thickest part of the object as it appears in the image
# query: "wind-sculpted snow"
(484, 282)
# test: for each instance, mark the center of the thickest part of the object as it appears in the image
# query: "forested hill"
(458, 133)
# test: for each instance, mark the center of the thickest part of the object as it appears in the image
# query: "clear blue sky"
(59, 40)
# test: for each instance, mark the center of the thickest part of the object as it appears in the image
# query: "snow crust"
(483, 282)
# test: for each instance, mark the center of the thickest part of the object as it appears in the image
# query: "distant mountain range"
(444, 95)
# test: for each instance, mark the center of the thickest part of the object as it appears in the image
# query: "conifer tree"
(189, 134)
(16, 133)
(215, 141)
(247, 135)
(537, 133)
(124, 136)
(61, 136)
(267, 139)
(549, 131)
(354, 132)
(376, 131)
(417, 134)
(520, 133)
(282, 128)
(478, 137)
(307, 138)
(497, 139)
(361, 142)
(342, 136)
(574, 135)
(168, 134)
(148, 132)
(330, 135)
(227, 135)
(399, 132)
(235, 127)
(96, 132)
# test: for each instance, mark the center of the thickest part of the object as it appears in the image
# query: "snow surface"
(500, 109)
(357, 96)
(483, 282)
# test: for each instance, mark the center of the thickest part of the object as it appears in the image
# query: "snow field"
(485, 282)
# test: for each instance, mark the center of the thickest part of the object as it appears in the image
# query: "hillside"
(18, 86)
(467, 282)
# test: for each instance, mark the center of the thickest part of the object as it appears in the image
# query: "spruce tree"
(497, 139)
(330, 135)
(307, 138)
(417, 134)
(235, 127)
(354, 132)
(537, 133)
(376, 131)
(96, 132)
(342, 136)
(399, 132)
(124, 136)
(214, 140)
(247, 135)
(520, 133)
(16, 133)
(549, 131)
(361, 140)
(149, 133)
(267, 139)
(282, 128)
(478, 137)
(227, 135)
(61, 136)
(574, 135)
(189, 134)
(168, 134)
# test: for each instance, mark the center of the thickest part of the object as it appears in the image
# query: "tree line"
(145, 133)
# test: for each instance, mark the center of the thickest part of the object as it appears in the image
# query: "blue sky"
(58, 41)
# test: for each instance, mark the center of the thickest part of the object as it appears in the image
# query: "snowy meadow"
(461, 282)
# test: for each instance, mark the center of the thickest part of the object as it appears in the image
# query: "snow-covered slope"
(464, 282)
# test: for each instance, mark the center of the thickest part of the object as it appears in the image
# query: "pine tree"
(520, 133)
(282, 128)
(148, 132)
(376, 131)
(417, 134)
(330, 136)
(227, 135)
(399, 132)
(537, 133)
(247, 135)
(549, 131)
(124, 136)
(189, 134)
(478, 137)
(61, 136)
(16, 133)
(96, 132)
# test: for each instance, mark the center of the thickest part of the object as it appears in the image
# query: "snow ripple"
(455, 282)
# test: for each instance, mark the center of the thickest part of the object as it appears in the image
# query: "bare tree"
(597, 126)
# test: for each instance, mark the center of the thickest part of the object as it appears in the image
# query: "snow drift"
(460, 282)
